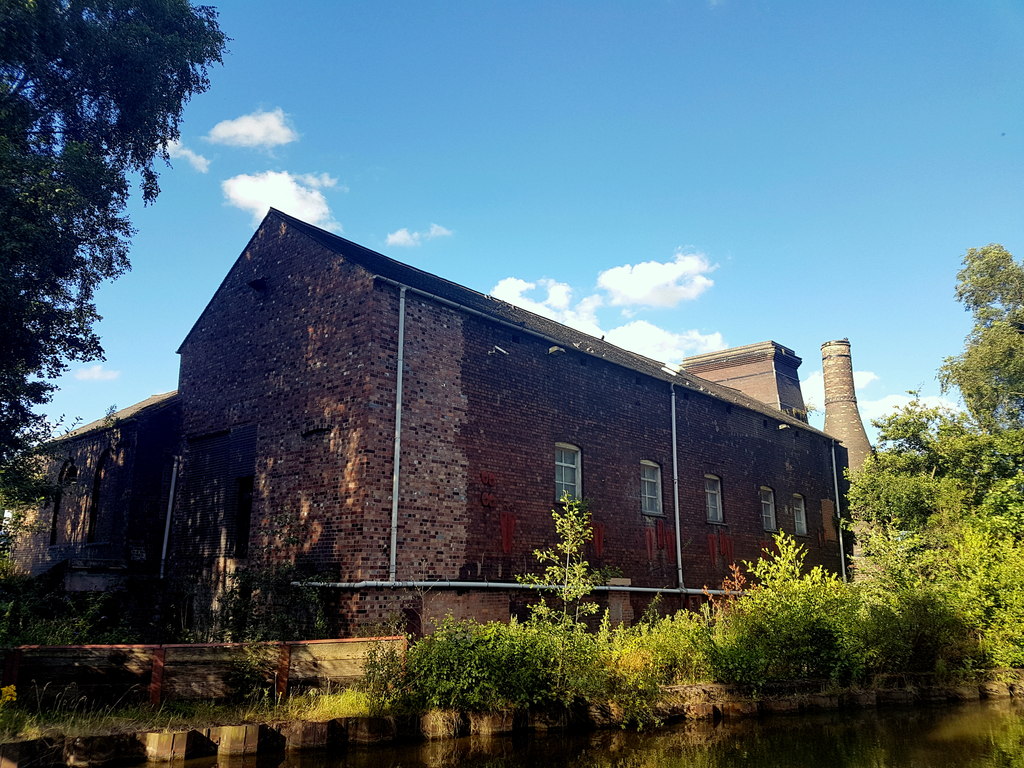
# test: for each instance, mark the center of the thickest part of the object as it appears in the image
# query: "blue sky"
(678, 175)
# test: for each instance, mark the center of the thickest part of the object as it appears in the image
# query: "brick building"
(404, 438)
(103, 525)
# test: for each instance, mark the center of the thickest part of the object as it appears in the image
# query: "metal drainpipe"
(397, 461)
(839, 519)
(675, 492)
(170, 508)
(496, 585)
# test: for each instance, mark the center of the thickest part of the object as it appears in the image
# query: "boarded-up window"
(220, 469)
(828, 519)
(99, 480)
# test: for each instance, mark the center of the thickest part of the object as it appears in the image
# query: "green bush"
(788, 625)
(470, 666)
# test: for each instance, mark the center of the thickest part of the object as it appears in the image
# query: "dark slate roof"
(569, 338)
(153, 401)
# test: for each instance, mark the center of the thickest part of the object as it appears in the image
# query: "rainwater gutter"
(497, 585)
(397, 460)
(675, 492)
(170, 509)
(839, 519)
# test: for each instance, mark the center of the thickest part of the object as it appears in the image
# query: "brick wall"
(117, 475)
(301, 344)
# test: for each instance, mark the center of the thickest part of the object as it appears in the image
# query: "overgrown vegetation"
(938, 512)
(39, 612)
(75, 716)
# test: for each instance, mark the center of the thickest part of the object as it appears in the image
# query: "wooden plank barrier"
(155, 673)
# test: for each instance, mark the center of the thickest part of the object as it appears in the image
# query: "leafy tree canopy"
(933, 464)
(91, 92)
(936, 467)
(990, 372)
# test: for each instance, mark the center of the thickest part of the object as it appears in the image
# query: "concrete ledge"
(491, 723)
(245, 739)
(302, 735)
(91, 751)
(164, 746)
(442, 724)
(28, 754)
(896, 696)
(692, 702)
(371, 730)
(994, 690)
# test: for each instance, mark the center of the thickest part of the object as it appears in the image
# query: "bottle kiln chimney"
(842, 417)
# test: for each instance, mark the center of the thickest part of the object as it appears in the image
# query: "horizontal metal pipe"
(496, 585)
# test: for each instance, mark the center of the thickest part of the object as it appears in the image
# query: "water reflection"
(980, 735)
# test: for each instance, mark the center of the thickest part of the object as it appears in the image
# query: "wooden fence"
(158, 673)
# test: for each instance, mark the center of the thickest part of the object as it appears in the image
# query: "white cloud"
(299, 195)
(876, 409)
(556, 304)
(96, 373)
(655, 342)
(640, 336)
(176, 149)
(259, 129)
(656, 283)
(403, 238)
(629, 286)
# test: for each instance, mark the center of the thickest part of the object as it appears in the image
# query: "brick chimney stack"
(842, 418)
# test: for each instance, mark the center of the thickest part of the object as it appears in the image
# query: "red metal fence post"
(284, 662)
(156, 678)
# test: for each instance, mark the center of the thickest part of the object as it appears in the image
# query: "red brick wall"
(132, 499)
(309, 356)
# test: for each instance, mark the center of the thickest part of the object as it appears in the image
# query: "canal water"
(978, 735)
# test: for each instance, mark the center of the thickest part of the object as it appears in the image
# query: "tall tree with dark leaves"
(91, 92)
(989, 373)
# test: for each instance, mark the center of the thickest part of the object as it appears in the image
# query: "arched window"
(68, 475)
(97, 490)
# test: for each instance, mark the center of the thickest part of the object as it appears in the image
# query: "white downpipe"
(170, 509)
(675, 493)
(839, 518)
(397, 461)
(495, 585)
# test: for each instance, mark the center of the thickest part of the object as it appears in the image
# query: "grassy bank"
(72, 717)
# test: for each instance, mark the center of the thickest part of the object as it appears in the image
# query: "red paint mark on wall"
(598, 539)
(728, 548)
(651, 540)
(488, 499)
(508, 530)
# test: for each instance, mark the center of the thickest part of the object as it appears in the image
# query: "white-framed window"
(768, 508)
(799, 515)
(650, 488)
(568, 471)
(713, 498)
